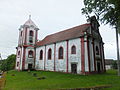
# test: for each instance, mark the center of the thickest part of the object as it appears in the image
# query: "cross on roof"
(29, 16)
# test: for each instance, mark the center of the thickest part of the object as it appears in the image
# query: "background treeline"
(114, 64)
(8, 64)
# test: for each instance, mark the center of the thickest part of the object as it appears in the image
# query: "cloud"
(110, 50)
(49, 15)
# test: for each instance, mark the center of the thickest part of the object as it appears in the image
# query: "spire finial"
(29, 16)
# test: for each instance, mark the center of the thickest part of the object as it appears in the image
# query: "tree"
(108, 12)
(114, 64)
(8, 64)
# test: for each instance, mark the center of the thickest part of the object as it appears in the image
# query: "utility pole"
(118, 56)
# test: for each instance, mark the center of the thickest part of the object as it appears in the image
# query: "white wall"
(91, 55)
(49, 64)
(19, 58)
(108, 67)
(60, 64)
(39, 64)
(74, 58)
(27, 59)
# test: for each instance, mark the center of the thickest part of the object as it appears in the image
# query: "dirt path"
(2, 81)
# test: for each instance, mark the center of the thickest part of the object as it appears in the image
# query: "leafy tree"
(8, 64)
(3, 65)
(108, 12)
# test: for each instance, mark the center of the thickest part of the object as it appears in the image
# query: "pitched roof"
(71, 33)
(29, 22)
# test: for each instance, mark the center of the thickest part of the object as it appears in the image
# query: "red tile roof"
(71, 33)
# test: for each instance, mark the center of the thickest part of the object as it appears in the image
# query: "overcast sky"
(50, 16)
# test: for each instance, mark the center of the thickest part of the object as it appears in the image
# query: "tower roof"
(29, 22)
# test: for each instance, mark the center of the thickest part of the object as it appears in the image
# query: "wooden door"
(29, 66)
(74, 68)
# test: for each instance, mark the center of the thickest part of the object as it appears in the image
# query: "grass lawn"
(55, 80)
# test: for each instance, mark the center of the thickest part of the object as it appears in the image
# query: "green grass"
(55, 80)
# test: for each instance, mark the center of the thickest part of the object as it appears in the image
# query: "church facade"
(75, 50)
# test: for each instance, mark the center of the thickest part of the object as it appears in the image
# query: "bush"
(8, 64)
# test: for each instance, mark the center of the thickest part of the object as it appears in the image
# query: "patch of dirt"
(2, 81)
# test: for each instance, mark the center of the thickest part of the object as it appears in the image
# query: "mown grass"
(55, 80)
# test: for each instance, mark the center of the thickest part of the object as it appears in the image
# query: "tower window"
(31, 36)
(60, 53)
(31, 33)
(18, 53)
(73, 50)
(17, 64)
(97, 50)
(21, 33)
(31, 40)
(49, 54)
(41, 54)
(30, 54)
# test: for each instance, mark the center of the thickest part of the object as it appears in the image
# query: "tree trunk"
(118, 58)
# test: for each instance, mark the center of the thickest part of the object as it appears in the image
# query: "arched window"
(97, 50)
(60, 53)
(30, 54)
(31, 33)
(18, 53)
(17, 64)
(31, 36)
(41, 54)
(49, 54)
(21, 33)
(73, 50)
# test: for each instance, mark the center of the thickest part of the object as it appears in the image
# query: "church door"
(98, 67)
(30, 66)
(74, 68)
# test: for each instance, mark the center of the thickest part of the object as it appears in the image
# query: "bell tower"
(25, 58)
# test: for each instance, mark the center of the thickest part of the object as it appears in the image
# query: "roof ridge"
(70, 33)
(66, 30)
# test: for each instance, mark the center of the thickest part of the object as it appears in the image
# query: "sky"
(50, 16)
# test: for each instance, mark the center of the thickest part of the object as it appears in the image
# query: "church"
(76, 50)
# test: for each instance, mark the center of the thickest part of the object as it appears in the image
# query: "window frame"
(73, 49)
(60, 54)
(49, 54)
(31, 33)
(21, 33)
(30, 55)
(41, 54)
(17, 64)
(97, 50)
(18, 53)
